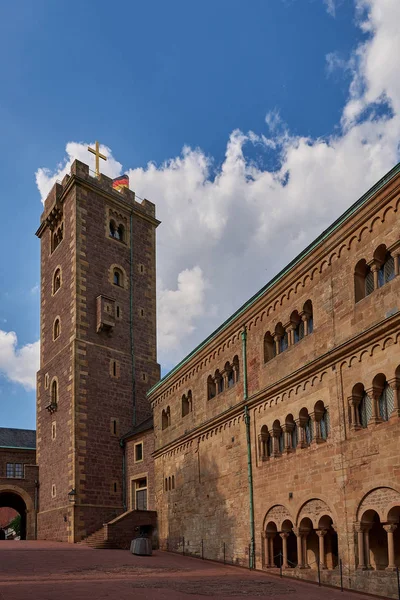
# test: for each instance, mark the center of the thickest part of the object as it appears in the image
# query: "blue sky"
(302, 80)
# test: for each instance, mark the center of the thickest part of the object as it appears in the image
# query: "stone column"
(271, 549)
(395, 385)
(354, 401)
(366, 547)
(284, 535)
(321, 533)
(396, 263)
(290, 329)
(361, 551)
(277, 339)
(375, 269)
(304, 318)
(297, 533)
(390, 529)
(304, 548)
(266, 550)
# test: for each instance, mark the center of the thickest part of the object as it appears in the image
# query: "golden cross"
(96, 152)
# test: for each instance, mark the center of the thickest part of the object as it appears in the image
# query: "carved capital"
(321, 532)
(390, 527)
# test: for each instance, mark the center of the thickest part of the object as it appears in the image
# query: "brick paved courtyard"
(55, 571)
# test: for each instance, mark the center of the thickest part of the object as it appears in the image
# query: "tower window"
(114, 427)
(56, 280)
(139, 452)
(56, 329)
(57, 237)
(117, 232)
(54, 392)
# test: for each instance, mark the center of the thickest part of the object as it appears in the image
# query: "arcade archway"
(19, 500)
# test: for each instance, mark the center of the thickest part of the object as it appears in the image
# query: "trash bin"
(141, 546)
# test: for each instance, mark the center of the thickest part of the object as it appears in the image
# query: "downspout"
(131, 322)
(248, 440)
(123, 446)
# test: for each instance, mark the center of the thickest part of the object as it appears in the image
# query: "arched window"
(113, 228)
(230, 376)
(298, 326)
(56, 237)
(211, 388)
(321, 420)
(386, 402)
(236, 368)
(166, 418)
(278, 438)
(263, 443)
(325, 424)
(118, 277)
(121, 233)
(282, 337)
(386, 271)
(291, 432)
(269, 347)
(56, 329)
(364, 410)
(306, 426)
(219, 380)
(185, 405)
(54, 393)
(363, 280)
(56, 280)
(308, 312)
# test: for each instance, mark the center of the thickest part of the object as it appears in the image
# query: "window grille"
(231, 380)
(10, 470)
(294, 436)
(365, 410)
(388, 269)
(386, 402)
(283, 342)
(310, 324)
(325, 425)
(299, 332)
(309, 432)
(19, 471)
(369, 283)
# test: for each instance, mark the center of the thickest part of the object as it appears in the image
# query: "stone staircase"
(120, 531)
(98, 540)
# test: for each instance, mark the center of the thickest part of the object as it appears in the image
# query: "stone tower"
(98, 348)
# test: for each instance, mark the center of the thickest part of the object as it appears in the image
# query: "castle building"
(273, 444)
(276, 439)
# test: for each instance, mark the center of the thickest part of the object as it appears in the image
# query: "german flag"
(120, 182)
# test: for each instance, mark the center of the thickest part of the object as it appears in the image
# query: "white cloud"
(226, 230)
(18, 365)
(330, 7)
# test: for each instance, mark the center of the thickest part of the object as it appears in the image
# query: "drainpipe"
(36, 505)
(248, 440)
(131, 322)
(123, 446)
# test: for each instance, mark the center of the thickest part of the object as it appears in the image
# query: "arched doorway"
(10, 499)
(328, 548)
(376, 548)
